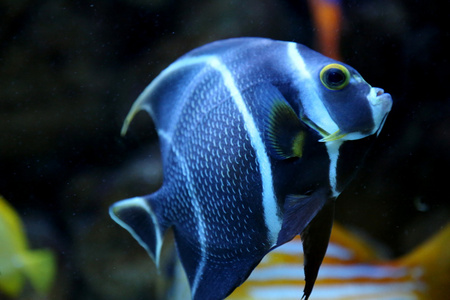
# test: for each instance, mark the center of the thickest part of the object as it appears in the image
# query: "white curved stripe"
(176, 65)
(142, 104)
(333, 154)
(140, 202)
(273, 223)
(312, 105)
(200, 219)
(314, 108)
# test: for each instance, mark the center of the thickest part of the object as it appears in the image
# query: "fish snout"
(380, 105)
(380, 100)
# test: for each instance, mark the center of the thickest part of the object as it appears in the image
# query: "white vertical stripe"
(200, 219)
(333, 153)
(273, 223)
(312, 105)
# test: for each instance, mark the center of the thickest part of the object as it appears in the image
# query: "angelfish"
(258, 137)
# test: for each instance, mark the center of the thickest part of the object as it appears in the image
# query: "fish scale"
(219, 185)
(250, 131)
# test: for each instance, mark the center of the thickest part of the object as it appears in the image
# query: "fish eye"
(335, 77)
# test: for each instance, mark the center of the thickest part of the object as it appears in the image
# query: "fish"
(257, 137)
(18, 261)
(352, 269)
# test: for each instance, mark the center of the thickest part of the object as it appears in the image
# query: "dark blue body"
(242, 172)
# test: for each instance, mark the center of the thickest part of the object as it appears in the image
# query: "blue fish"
(258, 137)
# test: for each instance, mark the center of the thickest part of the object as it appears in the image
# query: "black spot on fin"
(140, 216)
(284, 133)
(315, 243)
(214, 273)
(299, 211)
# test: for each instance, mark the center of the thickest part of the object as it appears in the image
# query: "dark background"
(70, 70)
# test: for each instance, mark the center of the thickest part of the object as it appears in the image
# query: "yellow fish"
(17, 261)
(351, 270)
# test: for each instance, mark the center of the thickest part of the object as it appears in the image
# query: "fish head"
(340, 104)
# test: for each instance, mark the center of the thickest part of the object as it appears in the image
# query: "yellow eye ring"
(335, 77)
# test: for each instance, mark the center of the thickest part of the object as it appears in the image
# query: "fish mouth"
(381, 106)
(326, 136)
(378, 97)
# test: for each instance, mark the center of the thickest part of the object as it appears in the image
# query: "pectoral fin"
(284, 133)
(299, 211)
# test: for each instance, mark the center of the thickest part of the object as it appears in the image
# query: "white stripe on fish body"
(199, 217)
(333, 154)
(269, 203)
(315, 109)
(307, 87)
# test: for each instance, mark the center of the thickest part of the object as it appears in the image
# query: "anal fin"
(140, 218)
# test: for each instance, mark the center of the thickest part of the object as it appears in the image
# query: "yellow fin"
(433, 257)
(333, 137)
(297, 144)
(40, 267)
(11, 222)
(11, 283)
(361, 248)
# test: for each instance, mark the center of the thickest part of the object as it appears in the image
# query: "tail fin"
(40, 267)
(433, 258)
(141, 217)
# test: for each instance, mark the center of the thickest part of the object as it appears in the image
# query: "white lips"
(381, 104)
(377, 97)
